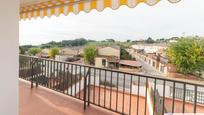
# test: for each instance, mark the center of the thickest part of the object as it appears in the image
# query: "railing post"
(85, 78)
(89, 82)
(85, 88)
(31, 74)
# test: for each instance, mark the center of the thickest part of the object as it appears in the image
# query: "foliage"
(110, 40)
(128, 41)
(26, 47)
(34, 51)
(65, 43)
(187, 55)
(90, 53)
(149, 40)
(125, 55)
(53, 52)
(21, 50)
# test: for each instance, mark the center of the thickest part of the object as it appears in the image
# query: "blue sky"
(163, 20)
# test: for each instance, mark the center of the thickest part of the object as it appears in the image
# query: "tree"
(125, 55)
(90, 54)
(21, 50)
(34, 51)
(128, 41)
(110, 40)
(53, 52)
(187, 55)
(149, 40)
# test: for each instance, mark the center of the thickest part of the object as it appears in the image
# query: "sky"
(163, 20)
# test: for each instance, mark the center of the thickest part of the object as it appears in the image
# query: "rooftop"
(130, 63)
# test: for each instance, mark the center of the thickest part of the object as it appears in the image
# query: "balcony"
(67, 88)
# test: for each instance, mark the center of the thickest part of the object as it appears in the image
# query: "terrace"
(91, 90)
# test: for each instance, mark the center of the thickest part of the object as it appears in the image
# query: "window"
(104, 62)
(162, 68)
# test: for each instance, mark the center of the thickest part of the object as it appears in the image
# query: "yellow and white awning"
(42, 8)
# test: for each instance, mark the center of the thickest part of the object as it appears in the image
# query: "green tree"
(21, 50)
(125, 55)
(90, 54)
(149, 40)
(187, 55)
(34, 51)
(110, 40)
(53, 52)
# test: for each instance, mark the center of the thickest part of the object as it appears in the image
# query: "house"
(45, 53)
(108, 57)
(68, 51)
(70, 54)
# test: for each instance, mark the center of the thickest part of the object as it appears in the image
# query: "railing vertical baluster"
(37, 75)
(94, 86)
(184, 96)
(89, 84)
(51, 76)
(80, 75)
(54, 75)
(155, 88)
(64, 77)
(111, 90)
(146, 85)
(195, 99)
(31, 73)
(48, 74)
(85, 74)
(117, 93)
(75, 79)
(130, 95)
(138, 94)
(57, 82)
(163, 106)
(29, 70)
(173, 97)
(105, 89)
(68, 73)
(99, 98)
(71, 77)
(123, 94)
(45, 84)
(85, 78)
(61, 76)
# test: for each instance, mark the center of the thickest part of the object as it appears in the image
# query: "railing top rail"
(190, 82)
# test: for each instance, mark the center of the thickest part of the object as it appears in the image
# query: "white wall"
(9, 19)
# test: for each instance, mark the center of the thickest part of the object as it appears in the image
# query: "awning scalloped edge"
(83, 5)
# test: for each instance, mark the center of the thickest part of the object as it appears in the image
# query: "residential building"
(108, 57)
(152, 55)
(69, 54)
(45, 53)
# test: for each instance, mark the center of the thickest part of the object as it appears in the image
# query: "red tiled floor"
(41, 101)
(111, 102)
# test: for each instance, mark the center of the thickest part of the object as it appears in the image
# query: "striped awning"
(57, 7)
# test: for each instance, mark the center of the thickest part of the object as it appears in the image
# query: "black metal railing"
(121, 92)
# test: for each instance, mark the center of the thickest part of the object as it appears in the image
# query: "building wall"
(68, 51)
(60, 58)
(99, 63)
(109, 51)
(165, 68)
(9, 36)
